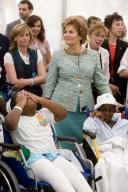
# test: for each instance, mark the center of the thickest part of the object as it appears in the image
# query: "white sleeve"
(48, 115)
(39, 57)
(124, 62)
(8, 58)
(89, 125)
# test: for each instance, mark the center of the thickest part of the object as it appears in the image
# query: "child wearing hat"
(112, 138)
(106, 123)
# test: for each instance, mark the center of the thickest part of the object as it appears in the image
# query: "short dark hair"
(109, 19)
(30, 5)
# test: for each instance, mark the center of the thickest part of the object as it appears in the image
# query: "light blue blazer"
(70, 77)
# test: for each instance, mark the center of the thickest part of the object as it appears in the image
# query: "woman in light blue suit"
(70, 76)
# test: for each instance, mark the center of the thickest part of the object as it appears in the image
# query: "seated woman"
(112, 135)
(32, 129)
(24, 66)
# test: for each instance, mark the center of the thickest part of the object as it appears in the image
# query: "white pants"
(61, 174)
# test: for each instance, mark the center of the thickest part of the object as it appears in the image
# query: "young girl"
(32, 129)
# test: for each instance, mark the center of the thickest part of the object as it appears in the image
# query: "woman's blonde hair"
(79, 25)
(16, 31)
(98, 28)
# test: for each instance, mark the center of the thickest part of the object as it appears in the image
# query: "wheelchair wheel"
(8, 181)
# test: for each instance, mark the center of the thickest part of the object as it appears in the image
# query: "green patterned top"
(70, 76)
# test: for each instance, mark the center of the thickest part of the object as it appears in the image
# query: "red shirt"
(112, 49)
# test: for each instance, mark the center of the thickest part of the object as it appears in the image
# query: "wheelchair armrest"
(67, 138)
(10, 146)
(90, 134)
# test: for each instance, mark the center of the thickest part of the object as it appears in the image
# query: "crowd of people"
(92, 61)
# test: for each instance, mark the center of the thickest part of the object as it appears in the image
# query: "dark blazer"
(10, 27)
(4, 46)
(120, 82)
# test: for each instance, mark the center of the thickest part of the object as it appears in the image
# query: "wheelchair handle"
(126, 112)
(14, 147)
(90, 134)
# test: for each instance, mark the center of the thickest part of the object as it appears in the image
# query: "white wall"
(53, 12)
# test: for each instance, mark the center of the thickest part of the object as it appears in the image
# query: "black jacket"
(120, 82)
(4, 46)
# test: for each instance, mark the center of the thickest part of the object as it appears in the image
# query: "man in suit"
(116, 48)
(25, 9)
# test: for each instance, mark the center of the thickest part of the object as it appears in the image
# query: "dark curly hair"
(109, 19)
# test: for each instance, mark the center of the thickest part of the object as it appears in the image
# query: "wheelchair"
(17, 178)
(8, 181)
(90, 145)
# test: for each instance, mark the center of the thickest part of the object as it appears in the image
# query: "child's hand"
(98, 114)
(119, 107)
(34, 97)
(21, 98)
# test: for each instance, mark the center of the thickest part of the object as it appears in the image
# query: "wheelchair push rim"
(8, 181)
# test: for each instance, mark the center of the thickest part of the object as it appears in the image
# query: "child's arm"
(3, 106)
(58, 110)
(13, 117)
(89, 125)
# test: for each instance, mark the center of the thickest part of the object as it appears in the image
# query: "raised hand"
(98, 114)
(115, 89)
(21, 98)
(34, 97)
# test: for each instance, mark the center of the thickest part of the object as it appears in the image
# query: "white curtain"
(53, 11)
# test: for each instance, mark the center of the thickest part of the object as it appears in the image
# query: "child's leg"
(73, 174)
(47, 171)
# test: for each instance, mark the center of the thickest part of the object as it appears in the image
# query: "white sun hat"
(105, 98)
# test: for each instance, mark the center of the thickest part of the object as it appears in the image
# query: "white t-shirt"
(8, 58)
(35, 136)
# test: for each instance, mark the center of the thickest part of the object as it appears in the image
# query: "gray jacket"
(70, 76)
(10, 27)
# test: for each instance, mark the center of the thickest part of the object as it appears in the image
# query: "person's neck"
(29, 113)
(75, 49)
(35, 38)
(23, 20)
(111, 123)
(23, 50)
(93, 47)
(112, 39)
